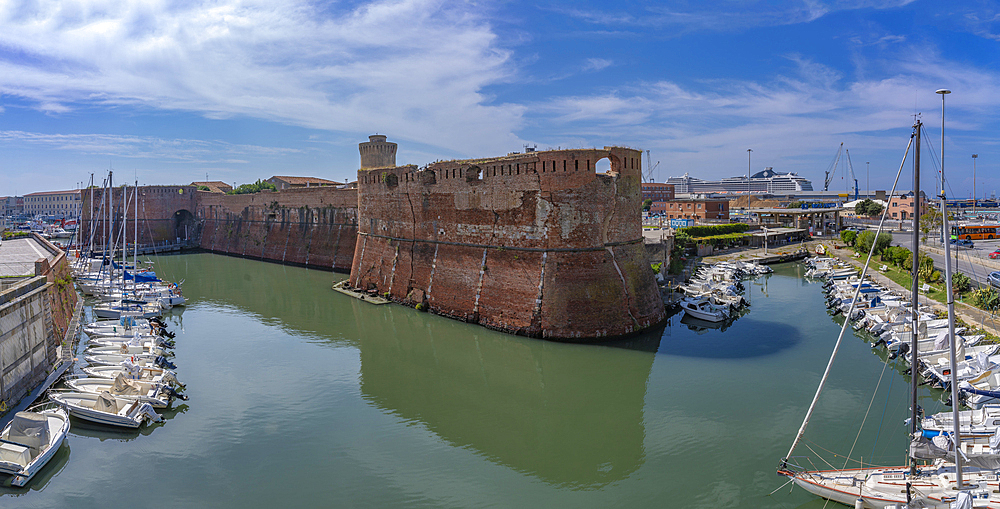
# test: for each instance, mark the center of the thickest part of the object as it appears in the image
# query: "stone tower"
(377, 153)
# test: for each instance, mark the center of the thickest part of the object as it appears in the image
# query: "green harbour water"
(303, 397)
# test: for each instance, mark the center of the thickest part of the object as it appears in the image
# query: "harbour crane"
(651, 166)
(851, 167)
(830, 170)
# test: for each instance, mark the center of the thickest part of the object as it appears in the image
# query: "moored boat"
(30, 440)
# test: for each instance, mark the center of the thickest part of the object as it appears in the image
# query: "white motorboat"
(158, 395)
(147, 374)
(104, 408)
(111, 359)
(30, 440)
(703, 309)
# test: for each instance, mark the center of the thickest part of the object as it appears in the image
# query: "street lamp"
(944, 208)
(868, 180)
(951, 296)
(974, 199)
(748, 179)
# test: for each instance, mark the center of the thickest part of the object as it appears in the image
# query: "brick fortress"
(537, 244)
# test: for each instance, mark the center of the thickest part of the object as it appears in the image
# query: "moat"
(301, 396)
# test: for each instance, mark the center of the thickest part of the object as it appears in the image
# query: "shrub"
(848, 236)
(714, 229)
(960, 283)
(986, 298)
(656, 267)
(863, 242)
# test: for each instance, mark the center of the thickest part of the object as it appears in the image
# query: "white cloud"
(792, 122)
(144, 147)
(414, 68)
(596, 64)
(730, 16)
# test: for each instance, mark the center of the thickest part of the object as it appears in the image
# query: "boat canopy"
(125, 387)
(29, 429)
(106, 403)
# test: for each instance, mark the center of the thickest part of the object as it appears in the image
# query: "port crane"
(651, 166)
(832, 170)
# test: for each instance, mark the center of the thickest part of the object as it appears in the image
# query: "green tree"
(646, 204)
(204, 188)
(848, 236)
(256, 187)
(864, 240)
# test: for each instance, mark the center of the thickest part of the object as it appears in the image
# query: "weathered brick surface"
(163, 212)
(314, 227)
(536, 243)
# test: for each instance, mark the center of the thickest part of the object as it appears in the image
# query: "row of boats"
(715, 293)
(886, 320)
(127, 376)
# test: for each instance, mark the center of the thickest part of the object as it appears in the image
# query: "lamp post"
(951, 298)
(868, 180)
(974, 199)
(748, 179)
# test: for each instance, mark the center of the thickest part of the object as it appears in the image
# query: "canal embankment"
(971, 315)
(38, 312)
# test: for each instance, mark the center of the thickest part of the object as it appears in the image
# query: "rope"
(843, 328)
(884, 408)
(870, 403)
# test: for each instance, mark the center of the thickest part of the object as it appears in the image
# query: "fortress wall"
(313, 227)
(161, 213)
(536, 244)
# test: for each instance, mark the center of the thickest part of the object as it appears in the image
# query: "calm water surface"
(300, 396)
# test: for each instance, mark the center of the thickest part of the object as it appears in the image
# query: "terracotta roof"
(216, 186)
(302, 180)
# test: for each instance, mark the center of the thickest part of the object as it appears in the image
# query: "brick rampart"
(313, 227)
(165, 214)
(537, 244)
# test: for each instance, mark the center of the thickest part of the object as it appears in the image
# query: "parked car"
(963, 243)
(995, 254)
(994, 279)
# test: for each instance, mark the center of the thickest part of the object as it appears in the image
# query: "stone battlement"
(536, 243)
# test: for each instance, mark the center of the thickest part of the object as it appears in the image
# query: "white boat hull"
(58, 422)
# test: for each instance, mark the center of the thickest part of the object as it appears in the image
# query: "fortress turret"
(377, 153)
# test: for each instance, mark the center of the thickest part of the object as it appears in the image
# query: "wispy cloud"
(596, 64)
(797, 117)
(140, 147)
(415, 68)
(695, 16)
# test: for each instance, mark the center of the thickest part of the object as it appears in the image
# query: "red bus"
(976, 232)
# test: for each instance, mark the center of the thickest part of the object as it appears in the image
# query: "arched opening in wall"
(603, 165)
(473, 174)
(390, 179)
(183, 225)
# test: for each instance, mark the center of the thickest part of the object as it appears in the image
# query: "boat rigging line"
(843, 328)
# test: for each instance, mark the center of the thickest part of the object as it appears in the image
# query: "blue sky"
(168, 92)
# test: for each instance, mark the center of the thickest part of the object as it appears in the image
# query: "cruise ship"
(763, 182)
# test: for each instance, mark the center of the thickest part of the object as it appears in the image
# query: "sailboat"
(933, 475)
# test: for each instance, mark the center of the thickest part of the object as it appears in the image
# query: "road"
(967, 260)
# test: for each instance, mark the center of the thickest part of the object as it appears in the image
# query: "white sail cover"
(30, 429)
(962, 501)
(941, 341)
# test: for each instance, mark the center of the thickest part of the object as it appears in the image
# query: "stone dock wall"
(34, 316)
(312, 227)
(537, 244)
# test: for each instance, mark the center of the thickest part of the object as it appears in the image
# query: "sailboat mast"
(914, 294)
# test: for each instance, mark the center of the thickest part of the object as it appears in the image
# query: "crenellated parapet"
(538, 243)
